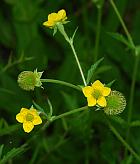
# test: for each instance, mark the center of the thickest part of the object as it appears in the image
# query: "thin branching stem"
(122, 23)
(61, 83)
(70, 41)
(69, 113)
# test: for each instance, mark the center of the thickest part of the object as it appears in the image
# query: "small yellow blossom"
(54, 18)
(29, 118)
(96, 94)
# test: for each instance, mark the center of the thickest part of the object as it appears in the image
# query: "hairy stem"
(70, 112)
(78, 63)
(70, 41)
(61, 83)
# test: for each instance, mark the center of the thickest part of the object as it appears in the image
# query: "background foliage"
(25, 45)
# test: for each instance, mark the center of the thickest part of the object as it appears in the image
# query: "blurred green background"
(26, 45)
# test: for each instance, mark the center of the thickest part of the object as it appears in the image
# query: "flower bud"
(116, 103)
(28, 80)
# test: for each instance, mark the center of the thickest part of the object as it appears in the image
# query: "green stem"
(98, 31)
(133, 88)
(131, 98)
(122, 23)
(127, 146)
(61, 83)
(69, 113)
(78, 63)
(70, 41)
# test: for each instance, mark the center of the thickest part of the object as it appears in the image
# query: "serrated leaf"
(120, 38)
(92, 70)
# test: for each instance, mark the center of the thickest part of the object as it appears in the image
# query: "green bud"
(116, 103)
(28, 80)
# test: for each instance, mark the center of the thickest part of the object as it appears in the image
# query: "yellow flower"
(29, 118)
(96, 94)
(54, 18)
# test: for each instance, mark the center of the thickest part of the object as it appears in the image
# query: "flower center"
(29, 117)
(96, 94)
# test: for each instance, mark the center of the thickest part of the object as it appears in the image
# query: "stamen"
(29, 117)
(96, 94)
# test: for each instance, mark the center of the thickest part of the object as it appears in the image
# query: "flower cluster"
(112, 102)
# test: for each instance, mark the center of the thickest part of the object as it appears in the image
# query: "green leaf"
(135, 123)
(137, 50)
(54, 30)
(120, 38)
(72, 38)
(1, 150)
(92, 70)
(110, 83)
(50, 106)
(103, 69)
(8, 130)
(38, 107)
(13, 153)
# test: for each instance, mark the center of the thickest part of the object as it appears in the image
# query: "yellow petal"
(106, 91)
(28, 126)
(24, 111)
(91, 101)
(87, 91)
(37, 120)
(48, 24)
(20, 117)
(33, 112)
(101, 101)
(53, 17)
(62, 14)
(97, 85)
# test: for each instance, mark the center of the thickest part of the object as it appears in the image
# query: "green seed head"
(116, 103)
(28, 80)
